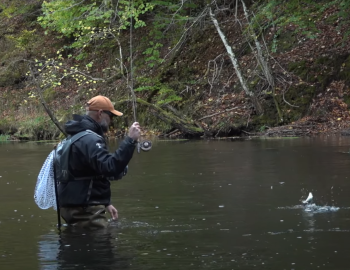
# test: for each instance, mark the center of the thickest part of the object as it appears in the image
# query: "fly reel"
(144, 146)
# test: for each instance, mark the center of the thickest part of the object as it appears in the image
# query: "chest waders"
(61, 166)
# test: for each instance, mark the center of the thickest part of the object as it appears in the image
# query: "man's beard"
(104, 126)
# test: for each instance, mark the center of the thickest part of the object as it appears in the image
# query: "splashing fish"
(308, 199)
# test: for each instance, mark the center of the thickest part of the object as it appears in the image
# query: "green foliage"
(169, 15)
(93, 20)
(72, 19)
(50, 73)
(24, 40)
(12, 8)
(40, 127)
(167, 96)
(344, 9)
(153, 54)
(145, 88)
(301, 15)
(89, 21)
(4, 137)
(164, 94)
(65, 17)
(262, 128)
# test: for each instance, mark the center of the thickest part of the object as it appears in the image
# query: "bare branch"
(40, 91)
(185, 32)
(208, 116)
(215, 73)
(64, 9)
(177, 11)
(288, 102)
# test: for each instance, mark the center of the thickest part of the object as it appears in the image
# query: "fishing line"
(143, 145)
(131, 67)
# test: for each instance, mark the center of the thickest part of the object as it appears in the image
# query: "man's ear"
(99, 114)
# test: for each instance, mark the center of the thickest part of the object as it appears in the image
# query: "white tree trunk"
(231, 55)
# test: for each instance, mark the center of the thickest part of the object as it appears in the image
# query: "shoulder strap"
(63, 162)
(81, 134)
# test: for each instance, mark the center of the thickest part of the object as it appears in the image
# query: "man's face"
(104, 125)
(106, 119)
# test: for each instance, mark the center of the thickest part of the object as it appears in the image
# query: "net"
(44, 193)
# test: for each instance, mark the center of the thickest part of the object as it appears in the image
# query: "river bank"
(190, 90)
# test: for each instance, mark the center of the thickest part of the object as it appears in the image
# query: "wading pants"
(86, 217)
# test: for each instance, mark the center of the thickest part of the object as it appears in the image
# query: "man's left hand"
(114, 212)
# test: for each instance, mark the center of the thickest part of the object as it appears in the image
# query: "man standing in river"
(86, 196)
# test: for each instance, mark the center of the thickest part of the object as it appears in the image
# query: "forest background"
(193, 68)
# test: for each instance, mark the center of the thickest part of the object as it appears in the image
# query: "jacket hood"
(82, 123)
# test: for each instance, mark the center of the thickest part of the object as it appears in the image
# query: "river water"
(192, 205)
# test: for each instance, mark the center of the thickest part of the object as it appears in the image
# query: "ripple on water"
(314, 208)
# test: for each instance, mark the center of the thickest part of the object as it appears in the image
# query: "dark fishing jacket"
(89, 159)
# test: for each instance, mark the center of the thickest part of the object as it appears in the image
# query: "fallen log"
(185, 125)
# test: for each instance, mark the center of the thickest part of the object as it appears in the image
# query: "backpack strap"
(82, 134)
(63, 161)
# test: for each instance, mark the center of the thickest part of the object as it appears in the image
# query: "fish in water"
(308, 199)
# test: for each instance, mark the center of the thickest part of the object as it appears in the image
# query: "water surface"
(192, 205)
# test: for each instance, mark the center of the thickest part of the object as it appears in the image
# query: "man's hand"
(114, 212)
(135, 131)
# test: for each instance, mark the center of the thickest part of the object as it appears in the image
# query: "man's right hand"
(114, 212)
(135, 131)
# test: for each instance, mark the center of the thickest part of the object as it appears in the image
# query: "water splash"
(320, 209)
(313, 208)
(310, 207)
(308, 199)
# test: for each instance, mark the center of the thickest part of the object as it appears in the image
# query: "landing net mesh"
(44, 193)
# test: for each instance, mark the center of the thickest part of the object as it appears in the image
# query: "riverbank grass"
(4, 137)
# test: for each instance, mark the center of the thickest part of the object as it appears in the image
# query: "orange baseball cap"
(102, 103)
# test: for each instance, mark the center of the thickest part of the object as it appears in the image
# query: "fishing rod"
(143, 145)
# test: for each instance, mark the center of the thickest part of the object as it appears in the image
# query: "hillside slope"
(186, 85)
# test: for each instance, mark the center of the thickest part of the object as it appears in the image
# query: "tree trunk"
(264, 65)
(236, 66)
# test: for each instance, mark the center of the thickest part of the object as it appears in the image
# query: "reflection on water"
(48, 251)
(192, 205)
(74, 248)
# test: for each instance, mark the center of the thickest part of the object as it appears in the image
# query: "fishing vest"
(61, 158)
